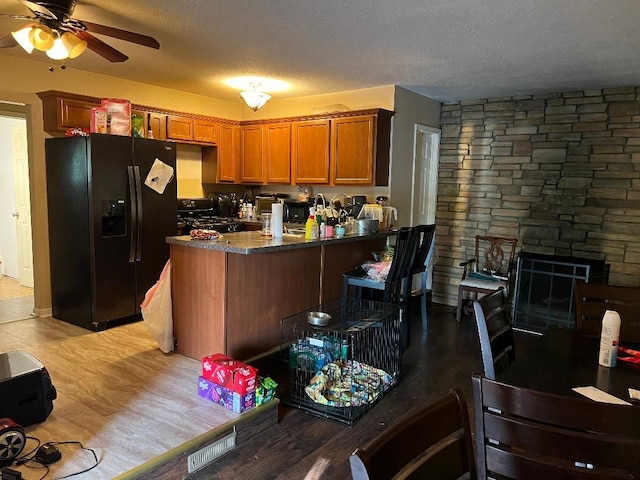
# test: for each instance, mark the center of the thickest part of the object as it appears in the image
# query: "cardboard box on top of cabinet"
(98, 122)
(229, 373)
(118, 116)
(223, 396)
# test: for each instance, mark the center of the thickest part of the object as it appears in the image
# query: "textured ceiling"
(445, 49)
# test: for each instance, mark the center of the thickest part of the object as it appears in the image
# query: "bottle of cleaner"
(311, 227)
(609, 339)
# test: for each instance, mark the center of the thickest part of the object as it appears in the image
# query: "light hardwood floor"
(117, 393)
(16, 301)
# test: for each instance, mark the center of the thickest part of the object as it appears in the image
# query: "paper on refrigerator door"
(159, 176)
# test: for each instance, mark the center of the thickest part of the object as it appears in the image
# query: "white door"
(424, 197)
(23, 203)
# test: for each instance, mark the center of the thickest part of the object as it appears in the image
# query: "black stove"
(202, 213)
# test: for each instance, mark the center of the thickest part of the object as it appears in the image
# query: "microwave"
(263, 204)
(294, 211)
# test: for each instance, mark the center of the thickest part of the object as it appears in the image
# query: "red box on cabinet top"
(229, 373)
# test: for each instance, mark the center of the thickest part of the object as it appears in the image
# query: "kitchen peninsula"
(230, 294)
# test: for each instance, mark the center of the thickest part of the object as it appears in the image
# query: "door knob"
(15, 214)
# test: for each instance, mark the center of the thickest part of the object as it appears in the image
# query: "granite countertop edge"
(246, 243)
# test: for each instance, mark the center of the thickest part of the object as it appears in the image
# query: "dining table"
(560, 359)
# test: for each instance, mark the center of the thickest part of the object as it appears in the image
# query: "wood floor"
(303, 446)
(117, 394)
(16, 301)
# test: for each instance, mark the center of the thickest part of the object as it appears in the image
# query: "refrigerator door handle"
(136, 171)
(134, 221)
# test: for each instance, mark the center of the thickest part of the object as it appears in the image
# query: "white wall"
(8, 233)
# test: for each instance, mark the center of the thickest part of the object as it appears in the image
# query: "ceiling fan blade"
(101, 48)
(38, 8)
(121, 34)
(8, 41)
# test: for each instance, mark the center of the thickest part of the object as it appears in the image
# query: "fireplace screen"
(545, 288)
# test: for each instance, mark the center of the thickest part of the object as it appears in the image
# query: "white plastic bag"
(157, 310)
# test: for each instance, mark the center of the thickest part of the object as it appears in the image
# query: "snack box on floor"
(229, 373)
(225, 397)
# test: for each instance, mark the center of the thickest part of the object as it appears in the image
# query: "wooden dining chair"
(489, 270)
(425, 246)
(493, 320)
(594, 299)
(433, 442)
(522, 433)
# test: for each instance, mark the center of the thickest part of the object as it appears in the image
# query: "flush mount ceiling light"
(57, 45)
(255, 99)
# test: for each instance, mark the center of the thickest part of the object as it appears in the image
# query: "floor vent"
(211, 452)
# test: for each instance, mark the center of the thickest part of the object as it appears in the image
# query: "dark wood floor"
(303, 446)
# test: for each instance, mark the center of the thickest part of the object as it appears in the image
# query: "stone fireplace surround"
(560, 171)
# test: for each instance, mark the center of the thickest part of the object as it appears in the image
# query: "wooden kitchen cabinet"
(158, 125)
(205, 131)
(179, 128)
(277, 143)
(66, 111)
(352, 153)
(310, 152)
(251, 154)
(228, 153)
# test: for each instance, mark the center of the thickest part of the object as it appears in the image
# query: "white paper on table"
(598, 395)
(634, 394)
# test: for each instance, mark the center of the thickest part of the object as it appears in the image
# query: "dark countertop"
(251, 242)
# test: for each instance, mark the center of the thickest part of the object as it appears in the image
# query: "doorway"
(16, 252)
(424, 194)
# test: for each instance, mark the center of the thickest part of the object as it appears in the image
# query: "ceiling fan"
(54, 18)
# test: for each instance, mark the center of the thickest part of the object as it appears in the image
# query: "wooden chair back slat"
(431, 443)
(523, 433)
(593, 300)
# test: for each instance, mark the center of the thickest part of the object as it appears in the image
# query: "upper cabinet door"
(251, 156)
(158, 125)
(205, 131)
(310, 152)
(179, 128)
(278, 152)
(228, 152)
(352, 152)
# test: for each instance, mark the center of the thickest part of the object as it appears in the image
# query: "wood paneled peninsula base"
(229, 295)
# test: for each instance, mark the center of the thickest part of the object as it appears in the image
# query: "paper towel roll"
(276, 219)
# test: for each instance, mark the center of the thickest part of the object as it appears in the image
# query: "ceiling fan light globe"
(41, 37)
(22, 37)
(255, 100)
(73, 44)
(58, 51)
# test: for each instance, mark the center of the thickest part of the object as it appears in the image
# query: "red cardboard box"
(229, 373)
(119, 116)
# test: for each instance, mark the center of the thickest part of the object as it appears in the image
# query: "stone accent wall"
(561, 172)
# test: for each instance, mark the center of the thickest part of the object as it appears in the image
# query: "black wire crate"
(339, 370)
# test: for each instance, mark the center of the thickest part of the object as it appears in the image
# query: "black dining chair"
(432, 443)
(425, 246)
(391, 289)
(522, 433)
(493, 320)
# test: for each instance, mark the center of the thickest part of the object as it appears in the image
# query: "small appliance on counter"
(204, 213)
(295, 212)
(264, 202)
(354, 204)
(225, 204)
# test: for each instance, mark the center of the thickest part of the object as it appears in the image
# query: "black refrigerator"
(107, 229)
